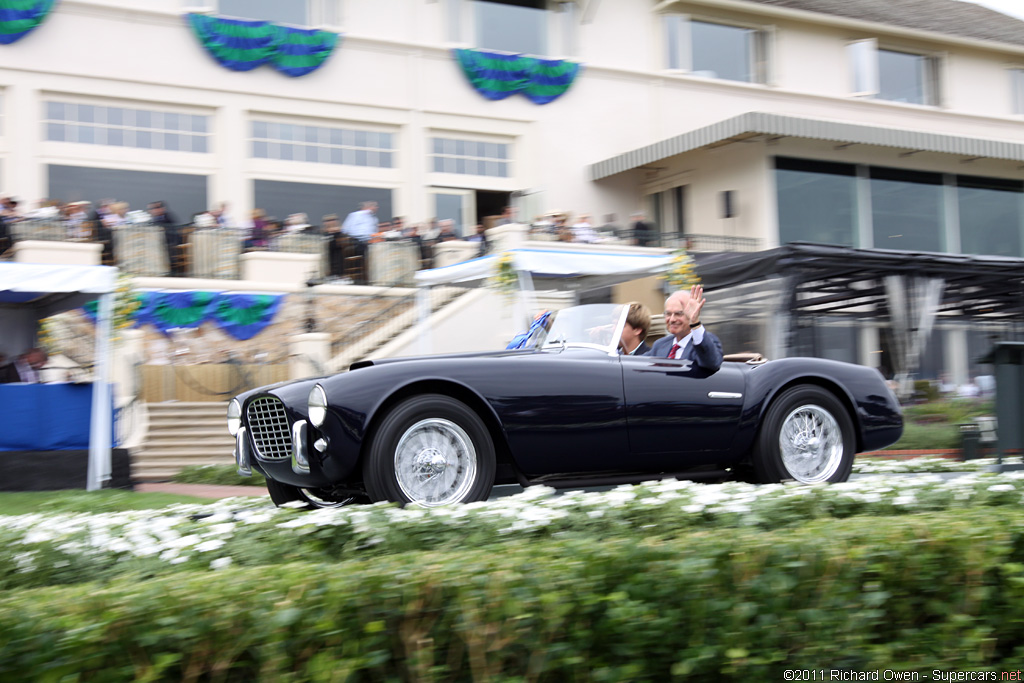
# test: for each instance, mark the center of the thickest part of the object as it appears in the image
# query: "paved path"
(201, 490)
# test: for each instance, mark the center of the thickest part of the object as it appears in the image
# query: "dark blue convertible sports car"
(569, 412)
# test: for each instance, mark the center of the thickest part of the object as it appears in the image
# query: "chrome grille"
(268, 424)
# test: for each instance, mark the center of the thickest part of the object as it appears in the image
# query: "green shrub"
(927, 437)
(913, 593)
(218, 475)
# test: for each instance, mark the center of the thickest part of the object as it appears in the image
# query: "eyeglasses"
(674, 314)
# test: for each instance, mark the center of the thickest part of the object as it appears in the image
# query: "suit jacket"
(707, 354)
(9, 374)
(642, 350)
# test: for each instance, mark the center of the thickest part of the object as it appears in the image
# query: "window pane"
(360, 138)
(674, 25)
(115, 116)
(86, 134)
(449, 146)
(143, 118)
(449, 165)
(373, 158)
(460, 148)
(259, 129)
(816, 206)
(335, 136)
(86, 113)
(460, 165)
(721, 51)
(511, 28)
(55, 132)
(115, 137)
(144, 139)
(312, 153)
(386, 160)
(348, 157)
(501, 152)
(286, 131)
(907, 214)
(901, 77)
(172, 141)
(385, 141)
(277, 11)
(438, 146)
(199, 143)
(372, 140)
(171, 121)
(348, 137)
(310, 133)
(55, 111)
(199, 124)
(503, 169)
(438, 164)
(492, 168)
(335, 155)
(259, 149)
(991, 217)
(471, 167)
(360, 157)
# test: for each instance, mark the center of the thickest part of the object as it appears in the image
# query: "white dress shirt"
(360, 224)
(696, 336)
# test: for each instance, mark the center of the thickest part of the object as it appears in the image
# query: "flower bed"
(39, 550)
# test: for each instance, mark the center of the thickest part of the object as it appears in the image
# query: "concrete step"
(198, 432)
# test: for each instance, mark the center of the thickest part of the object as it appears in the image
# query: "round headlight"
(234, 416)
(317, 405)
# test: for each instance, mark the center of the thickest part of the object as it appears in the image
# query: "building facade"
(892, 125)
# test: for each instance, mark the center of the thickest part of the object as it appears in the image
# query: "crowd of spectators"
(347, 240)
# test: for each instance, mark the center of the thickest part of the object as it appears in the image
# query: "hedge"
(917, 592)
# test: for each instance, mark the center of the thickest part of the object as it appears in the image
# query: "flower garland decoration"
(242, 45)
(497, 75)
(682, 271)
(505, 278)
(18, 18)
(127, 302)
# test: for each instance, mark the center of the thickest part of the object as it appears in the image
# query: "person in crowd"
(258, 237)
(362, 224)
(159, 215)
(480, 237)
(687, 339)
(508, 216)
(9, 212)
(331, 228)
(76, 219)
(583, 231)
(645, 233)
(25, 368)
(223, 216)
(447, 233)
(117, 216)
(634, 332)
(297, 223)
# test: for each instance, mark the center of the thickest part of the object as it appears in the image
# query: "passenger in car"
(634, 332)
(687, 338)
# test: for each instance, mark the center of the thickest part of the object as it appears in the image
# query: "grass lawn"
(25, 502)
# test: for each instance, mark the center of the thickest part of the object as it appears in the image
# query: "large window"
(292, 12)
(322, 144)
(184, 193)
(469, 157)
(512, 25)
(893, 75)
(817, 202)
(713, 50)
(115, 126)
(907, 210)
(991, 216)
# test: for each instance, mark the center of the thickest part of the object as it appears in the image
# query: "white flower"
(220, 563)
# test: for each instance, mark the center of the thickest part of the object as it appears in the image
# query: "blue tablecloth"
(45, 417)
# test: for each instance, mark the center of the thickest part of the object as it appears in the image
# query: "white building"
(893, 124)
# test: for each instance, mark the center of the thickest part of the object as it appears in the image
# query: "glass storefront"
(817, 202)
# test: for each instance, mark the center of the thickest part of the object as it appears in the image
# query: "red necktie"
(672, 353)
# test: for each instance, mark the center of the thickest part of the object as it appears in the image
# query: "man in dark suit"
(687, 339)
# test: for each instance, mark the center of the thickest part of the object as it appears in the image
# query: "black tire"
(817, 431)
(282, 493)
(430, 450)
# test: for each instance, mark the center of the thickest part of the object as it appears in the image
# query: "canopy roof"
(558, 268)
(51, 289)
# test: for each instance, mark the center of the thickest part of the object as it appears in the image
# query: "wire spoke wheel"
(435, 462)
(811, 444)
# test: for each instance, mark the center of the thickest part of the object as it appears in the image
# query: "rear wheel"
(430, 450)
(807, 436)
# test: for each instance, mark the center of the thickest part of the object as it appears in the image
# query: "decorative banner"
(243, 45)
(19, 17)
(242, 316)
(496, 75)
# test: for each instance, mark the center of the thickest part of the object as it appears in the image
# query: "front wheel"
(430, 450)
(284, 493)
(807, 436)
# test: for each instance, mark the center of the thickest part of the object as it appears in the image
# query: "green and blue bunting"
(496, 75)
(19, 17)
(238, 314)
(243, 45)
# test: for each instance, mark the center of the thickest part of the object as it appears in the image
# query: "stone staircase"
(182, 434)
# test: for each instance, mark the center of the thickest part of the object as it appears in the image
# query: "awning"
(555, 268)
(757, 123)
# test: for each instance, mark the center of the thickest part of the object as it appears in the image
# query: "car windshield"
(593, 325)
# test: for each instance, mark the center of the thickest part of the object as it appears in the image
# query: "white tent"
(558, 268)
(30, 292)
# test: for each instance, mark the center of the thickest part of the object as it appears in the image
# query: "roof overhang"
(753, 124)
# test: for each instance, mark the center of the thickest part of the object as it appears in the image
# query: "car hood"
(413, 359)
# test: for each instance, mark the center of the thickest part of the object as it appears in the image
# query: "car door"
(678, 414)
